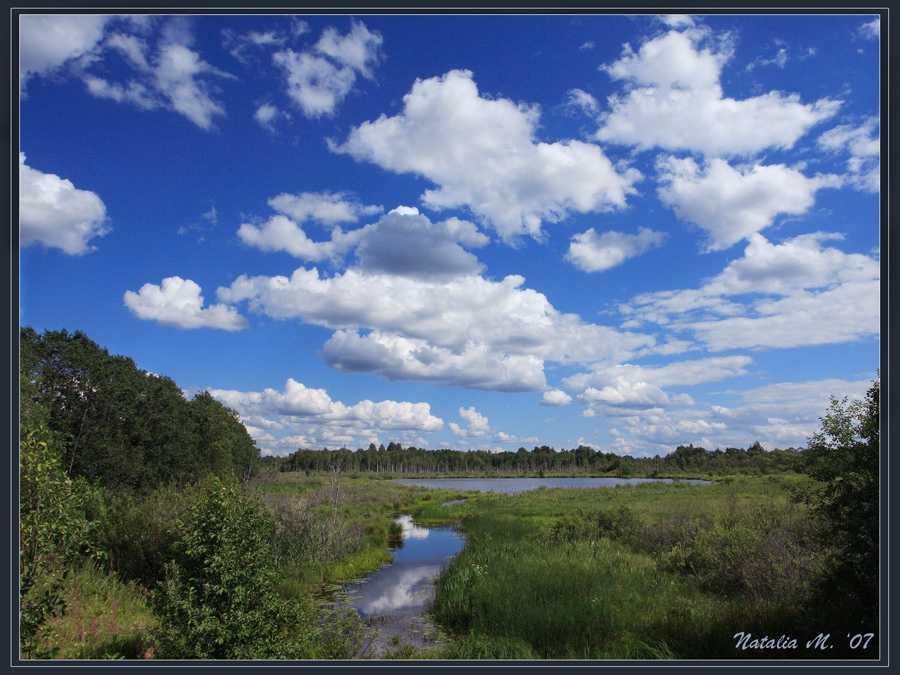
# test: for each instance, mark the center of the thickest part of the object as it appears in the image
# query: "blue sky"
(625, 231)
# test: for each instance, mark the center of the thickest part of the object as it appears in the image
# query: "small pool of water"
(394, 598)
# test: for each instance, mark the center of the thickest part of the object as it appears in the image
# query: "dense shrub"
(618, 524)
(767, 552)
(843, 458)
(138, 533)
(302, 533)
(53, 532)
(218, 600)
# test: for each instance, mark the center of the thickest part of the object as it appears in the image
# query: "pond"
(394, 598)
(515, 485)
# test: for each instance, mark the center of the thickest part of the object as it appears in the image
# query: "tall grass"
(649, 571)
(105, 618)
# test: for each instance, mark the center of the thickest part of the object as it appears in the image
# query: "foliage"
(843, 457)
(219, 600)
(541, 461)
(53, 531)
(127, 428)
(137, 535)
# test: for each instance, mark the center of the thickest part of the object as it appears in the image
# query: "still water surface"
(515, 485)
(394, 598)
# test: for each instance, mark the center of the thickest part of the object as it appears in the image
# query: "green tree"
(219, 599)
(843, 457)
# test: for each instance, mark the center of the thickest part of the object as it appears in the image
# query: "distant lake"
(512, 486)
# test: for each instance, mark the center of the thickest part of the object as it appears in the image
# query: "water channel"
(393, 599)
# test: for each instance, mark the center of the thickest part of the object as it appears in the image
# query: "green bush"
(218, 600)
(53, 532)
(843, 459)
(137, 536)
(620, 524)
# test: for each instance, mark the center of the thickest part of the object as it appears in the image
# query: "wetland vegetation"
(127, 553)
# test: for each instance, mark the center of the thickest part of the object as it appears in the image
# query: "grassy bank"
(328, 528)
(651, 571)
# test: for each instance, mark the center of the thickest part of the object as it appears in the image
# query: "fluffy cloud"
(476, 424)
(466, 331)
(178, 303)
(449, 314)
(675, 101)
(731, 204)
(847, 313)
(810, 295)
(583, 101)
(170, 76)
(265, 115)
(863, 144)
(356, 50)
(284, 232)
(47, 41)
(475, 366)
(308, 417)
(280, 233)
(777, 415)
(594, 252)
(401, 243)
(409, 245)
(52, 211)
(328, 208)
(319, 80)
(555, 397)
(635, 387)
(871, 30)
(483, 155)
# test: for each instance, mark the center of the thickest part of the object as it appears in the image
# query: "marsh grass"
(650, 571)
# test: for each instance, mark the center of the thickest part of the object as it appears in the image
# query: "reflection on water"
(395, 596)
(405, 585)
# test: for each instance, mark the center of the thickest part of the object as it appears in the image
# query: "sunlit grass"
(104, 619)
(586, 574)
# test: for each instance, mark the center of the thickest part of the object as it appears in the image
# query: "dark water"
(515, 485)
(394, 598)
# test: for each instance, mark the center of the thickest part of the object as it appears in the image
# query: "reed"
(651, 571)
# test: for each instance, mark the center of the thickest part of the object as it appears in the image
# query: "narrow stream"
(393, 599)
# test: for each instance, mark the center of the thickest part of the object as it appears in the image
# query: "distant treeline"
(122, 427)
(395, 459)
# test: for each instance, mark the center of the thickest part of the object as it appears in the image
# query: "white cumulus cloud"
(793, 294)
(178, 303)
(483, 154)
(732, 204)
(309, 417)
(675, 101)
(555, 397)
(54, 212)
(47, 41)
(169, 75)
(594, 252)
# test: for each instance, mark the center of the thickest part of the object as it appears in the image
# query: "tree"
(843, 456)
